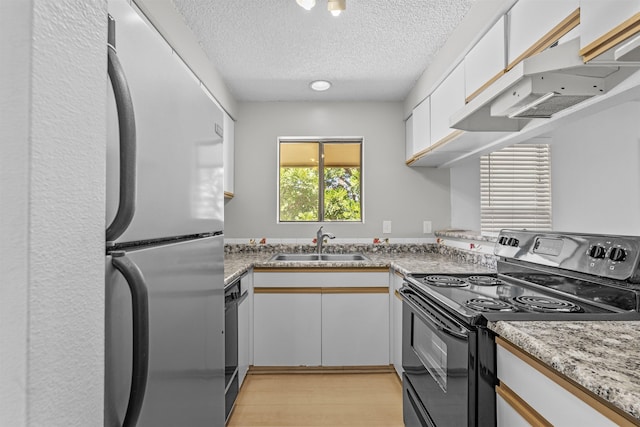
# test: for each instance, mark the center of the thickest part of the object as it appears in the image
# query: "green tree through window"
(320, 181)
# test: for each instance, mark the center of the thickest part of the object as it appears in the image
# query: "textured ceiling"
(269, 50)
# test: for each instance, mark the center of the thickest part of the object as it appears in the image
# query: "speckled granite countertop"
(465, 234)
(235, 264)
(603, 357)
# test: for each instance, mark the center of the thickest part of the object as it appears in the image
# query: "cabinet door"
(396, 323)
(529, 21)
(355, 329)
(287, 329)
(229, 158)
(542, 393)
(408, 137)
(508, 416)
(598, 17)
(244, 329)
(421, 127)
(448, 98)
(486, 61)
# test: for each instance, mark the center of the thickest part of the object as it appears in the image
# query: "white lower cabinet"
(287, 329)
(355, 329)
(396, 279)
(530, 393)
(324, 318)
(244, 327)
(507, 415)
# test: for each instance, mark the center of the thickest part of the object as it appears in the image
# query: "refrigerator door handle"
(127, 133)
(140, 311)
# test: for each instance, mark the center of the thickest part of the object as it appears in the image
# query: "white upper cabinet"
(486, 61)
(535, 24)
(605, 23)
(228, 154)
(408, 137)
(448, 98)
(421, 127)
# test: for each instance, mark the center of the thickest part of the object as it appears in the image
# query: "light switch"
(426, 227)
(386, 227)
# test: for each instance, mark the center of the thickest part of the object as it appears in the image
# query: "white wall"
(595, 173)
(595, 176)
(392, 191)
(465, 195)
(52, 115)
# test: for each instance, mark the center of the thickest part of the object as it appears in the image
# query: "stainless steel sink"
(319, 257)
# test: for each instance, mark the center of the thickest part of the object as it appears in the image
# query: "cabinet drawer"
(321, 279)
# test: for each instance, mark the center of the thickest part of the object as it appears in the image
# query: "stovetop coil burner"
(489, 305)
(484, 281)
(444, 281)
(547, 304)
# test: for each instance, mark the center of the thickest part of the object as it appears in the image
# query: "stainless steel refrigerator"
(164, 361)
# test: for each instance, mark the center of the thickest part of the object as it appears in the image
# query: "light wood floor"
(319, 399)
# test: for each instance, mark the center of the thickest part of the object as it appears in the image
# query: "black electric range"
(540, 276)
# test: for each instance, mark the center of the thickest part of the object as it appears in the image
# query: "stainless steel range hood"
(539, 87)
(542, 95)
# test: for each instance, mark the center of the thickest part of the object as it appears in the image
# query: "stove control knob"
(617, 254)
(597, 251)
(513, 242)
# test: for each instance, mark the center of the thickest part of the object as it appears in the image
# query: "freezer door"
(185, 385)
(179, 153)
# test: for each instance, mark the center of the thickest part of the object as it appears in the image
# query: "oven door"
(438, 357)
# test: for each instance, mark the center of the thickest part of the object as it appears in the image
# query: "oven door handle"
(461, 333)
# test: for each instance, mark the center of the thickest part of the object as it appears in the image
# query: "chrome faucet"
(320, 237)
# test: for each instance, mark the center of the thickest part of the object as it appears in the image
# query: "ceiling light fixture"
(320, 85)
(336, 6)
(306, 4)
(333, 6)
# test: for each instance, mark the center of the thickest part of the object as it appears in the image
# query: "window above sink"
(319, 180)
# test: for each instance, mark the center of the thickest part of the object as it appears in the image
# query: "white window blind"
(515, 186)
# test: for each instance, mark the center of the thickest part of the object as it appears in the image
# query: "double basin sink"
(319, 257)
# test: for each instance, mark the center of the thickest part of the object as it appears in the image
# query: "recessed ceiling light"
(320, 85)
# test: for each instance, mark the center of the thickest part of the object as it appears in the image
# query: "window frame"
(321, 140)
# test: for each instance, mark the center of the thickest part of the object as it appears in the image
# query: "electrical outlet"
(426, 227)
(386, 227)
